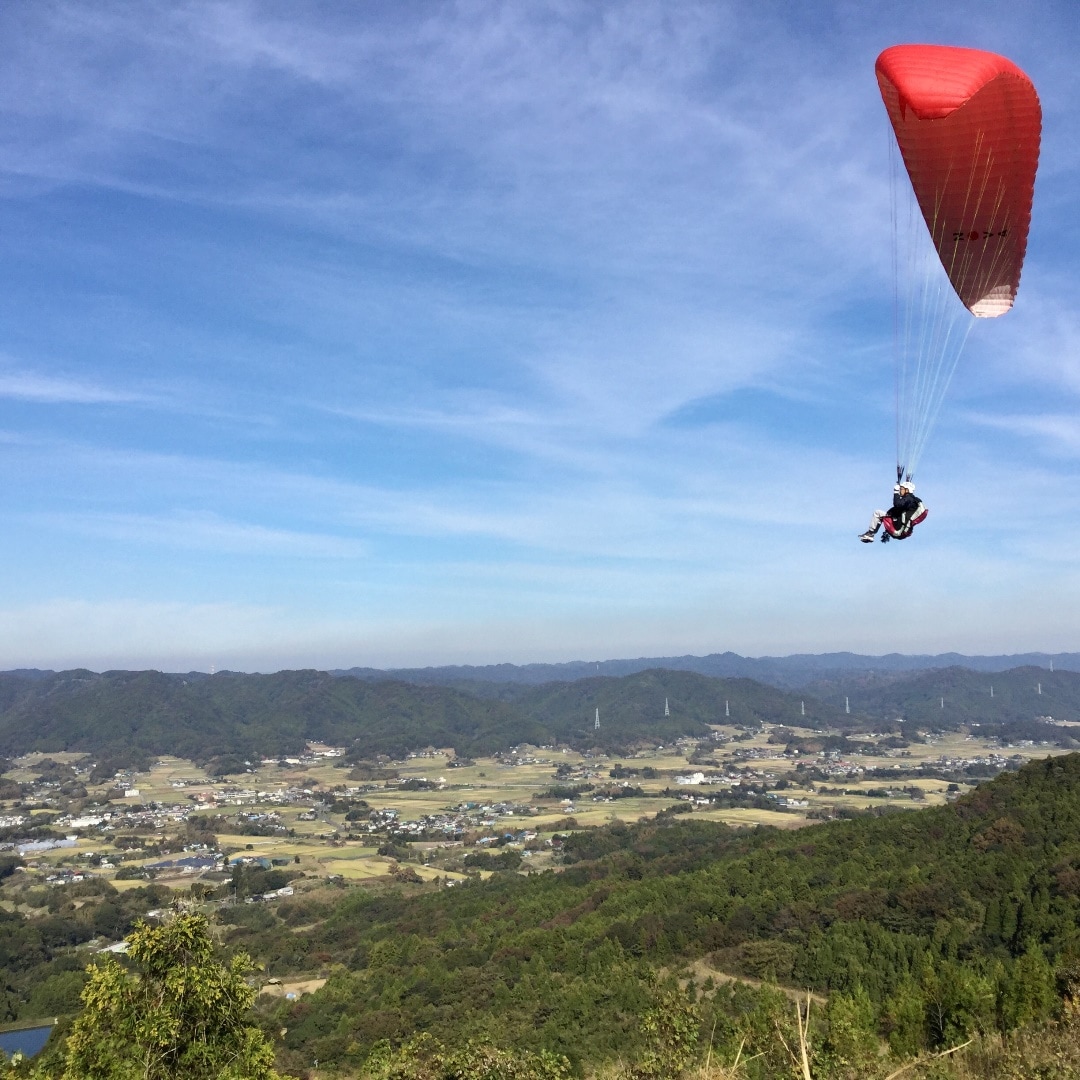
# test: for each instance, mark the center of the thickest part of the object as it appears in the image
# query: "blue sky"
(465, 332)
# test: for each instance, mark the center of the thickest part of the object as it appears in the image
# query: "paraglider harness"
(907, 512)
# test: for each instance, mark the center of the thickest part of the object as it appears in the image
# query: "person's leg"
(875, 524)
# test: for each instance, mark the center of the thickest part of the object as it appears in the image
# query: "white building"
(692, 778)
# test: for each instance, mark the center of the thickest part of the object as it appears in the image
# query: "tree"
(959, 1003)
(1026, 993)
(671, 1028)
(182, 1015)
(904, 1020)
(851, 1044)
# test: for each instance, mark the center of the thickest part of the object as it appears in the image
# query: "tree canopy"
(182, 1014)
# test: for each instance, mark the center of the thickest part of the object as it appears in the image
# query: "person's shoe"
(867, 537)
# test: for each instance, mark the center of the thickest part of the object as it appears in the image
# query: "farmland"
(325, 820)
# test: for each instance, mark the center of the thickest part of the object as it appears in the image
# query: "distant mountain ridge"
(792, 672)
(784, 672)
(240, 717)
(231, 718)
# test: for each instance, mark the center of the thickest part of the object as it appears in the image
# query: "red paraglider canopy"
(967, 123)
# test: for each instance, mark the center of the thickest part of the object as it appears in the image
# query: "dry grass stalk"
(922, 1059)
(709, 1071)
(802, 1060)
(708, 1056)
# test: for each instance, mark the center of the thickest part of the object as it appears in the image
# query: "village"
(325, 820)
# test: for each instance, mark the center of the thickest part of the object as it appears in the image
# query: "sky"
(387, 334)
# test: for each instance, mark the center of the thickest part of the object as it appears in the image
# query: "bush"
(425, 1058)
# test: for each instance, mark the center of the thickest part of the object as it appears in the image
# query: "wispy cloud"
(200, 531)
(1059, 433)
(32, 386)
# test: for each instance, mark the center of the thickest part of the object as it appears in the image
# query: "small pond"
(29, 1040)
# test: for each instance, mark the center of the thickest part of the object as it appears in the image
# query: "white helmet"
(908, 485)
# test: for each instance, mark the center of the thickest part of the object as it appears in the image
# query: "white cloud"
(1017, 615)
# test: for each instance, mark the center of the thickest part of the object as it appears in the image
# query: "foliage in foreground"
(797, 1049)
(425, 1058)
(180, 1015)
(183, 1017)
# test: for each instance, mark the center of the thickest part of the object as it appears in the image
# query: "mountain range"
(230, 718)
(785, 672)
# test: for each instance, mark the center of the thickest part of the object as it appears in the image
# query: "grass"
(124, 884)
(751, 816)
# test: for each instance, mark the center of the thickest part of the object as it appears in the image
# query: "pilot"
(907, 512)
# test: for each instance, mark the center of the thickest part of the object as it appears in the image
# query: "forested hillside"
(202, 717)
(958, 697)
(930, 926)
(693, 699)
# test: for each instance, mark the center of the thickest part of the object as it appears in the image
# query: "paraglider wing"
(968, 124)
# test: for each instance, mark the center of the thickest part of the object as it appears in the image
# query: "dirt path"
(701, 971)
(283, 989)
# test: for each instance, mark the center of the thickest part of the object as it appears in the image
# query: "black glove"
(885, 537)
